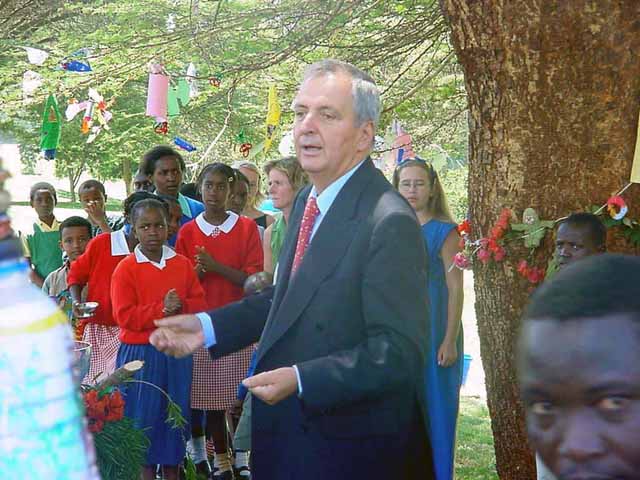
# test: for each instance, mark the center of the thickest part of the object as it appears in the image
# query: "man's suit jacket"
(353, 318)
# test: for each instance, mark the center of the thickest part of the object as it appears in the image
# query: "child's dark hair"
(596, 286)
(191, 190)
(90, 185)
(134, 198)
(36, 187)
(591, 223)
(149, 159)
(75, 222)
(149, 203)
(169, 200)
(220, 169)
(241, 177)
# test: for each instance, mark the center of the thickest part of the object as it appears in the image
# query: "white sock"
(242, 458)
(221, 462)
(197, 449)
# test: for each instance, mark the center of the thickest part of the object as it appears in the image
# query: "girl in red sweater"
(149, 284)
(225, 249)
(94, 269)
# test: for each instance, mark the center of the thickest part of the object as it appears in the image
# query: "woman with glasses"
(418, 183)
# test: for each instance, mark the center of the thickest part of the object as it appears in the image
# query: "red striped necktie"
(311, 212)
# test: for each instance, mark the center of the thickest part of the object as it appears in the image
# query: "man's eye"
(542, 408)
(613, 404)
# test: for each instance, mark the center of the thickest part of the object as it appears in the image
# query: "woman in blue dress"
(418, 182)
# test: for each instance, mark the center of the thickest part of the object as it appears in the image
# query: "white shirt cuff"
(295, 367)
(207, 329)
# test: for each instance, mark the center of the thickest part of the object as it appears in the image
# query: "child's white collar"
(213, 230)
(119, 245)
(167, 253)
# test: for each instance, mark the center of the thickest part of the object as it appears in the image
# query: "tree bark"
(553, 100)
(126, 174)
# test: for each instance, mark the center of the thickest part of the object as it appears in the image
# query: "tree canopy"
(248, 46)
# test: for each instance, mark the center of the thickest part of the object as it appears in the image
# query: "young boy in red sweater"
(95, 268)
(149, 284)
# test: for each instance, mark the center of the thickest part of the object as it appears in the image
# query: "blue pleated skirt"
(147, 407)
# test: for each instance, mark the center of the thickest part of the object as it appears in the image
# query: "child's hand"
(204, 261)
(172, 303)
(96, 212)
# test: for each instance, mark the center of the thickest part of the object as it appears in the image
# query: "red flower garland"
(103, 408)
(492, 246)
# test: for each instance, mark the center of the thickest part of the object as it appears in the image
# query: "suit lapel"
(325, 252)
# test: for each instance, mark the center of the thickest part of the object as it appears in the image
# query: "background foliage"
(250, 44)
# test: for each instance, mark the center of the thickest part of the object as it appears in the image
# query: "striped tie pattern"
(311, 212)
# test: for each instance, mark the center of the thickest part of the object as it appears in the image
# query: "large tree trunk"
(553, 91)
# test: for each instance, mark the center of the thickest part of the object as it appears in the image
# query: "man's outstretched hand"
(178, 336)
(274, 386)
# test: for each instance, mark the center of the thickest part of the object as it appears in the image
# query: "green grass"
(475, 458)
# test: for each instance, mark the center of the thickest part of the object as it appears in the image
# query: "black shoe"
(226, 475)
(242, 473)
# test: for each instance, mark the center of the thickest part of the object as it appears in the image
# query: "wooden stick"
(122, 374)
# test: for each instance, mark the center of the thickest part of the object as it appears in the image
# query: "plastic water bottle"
(43, 432)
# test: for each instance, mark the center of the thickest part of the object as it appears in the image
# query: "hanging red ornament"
(161, 128)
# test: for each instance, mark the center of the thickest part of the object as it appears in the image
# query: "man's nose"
(580, 440)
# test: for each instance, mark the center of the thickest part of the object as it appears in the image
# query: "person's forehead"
(166, 163)
(90, 191)
(568, 230)
(412, 172)
(73, 231)
(43, 193)
(215, 177)
(330, 90)
(586, 348)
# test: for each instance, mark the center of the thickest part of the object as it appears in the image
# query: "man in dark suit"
(338, 383)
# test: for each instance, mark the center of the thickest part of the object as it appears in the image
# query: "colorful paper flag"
(273, 117)
(50, 132)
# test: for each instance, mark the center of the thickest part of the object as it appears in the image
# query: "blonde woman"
(418, 183)
(250, 170)
(286, 178)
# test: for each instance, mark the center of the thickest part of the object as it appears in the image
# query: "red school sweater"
(95, 268)
(138, 291)
(240, 248)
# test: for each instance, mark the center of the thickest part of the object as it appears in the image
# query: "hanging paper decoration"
(402, 144)
(216, 80)
(36, 56)
(617, 207)
(183, 144)
(177, 95)
(95, 111)
(31, 81)
(273, 117)
(191, 80)
(245, 145)
(161, 127)
(534, 229)
(173, 107)
(287, 147)
(183, 92)
(157, 92)
(50, 132)
(76, 66)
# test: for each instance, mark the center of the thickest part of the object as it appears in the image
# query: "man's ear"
(60, 244)
(365, 140)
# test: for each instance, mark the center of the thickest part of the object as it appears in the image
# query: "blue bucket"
(465, 367)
